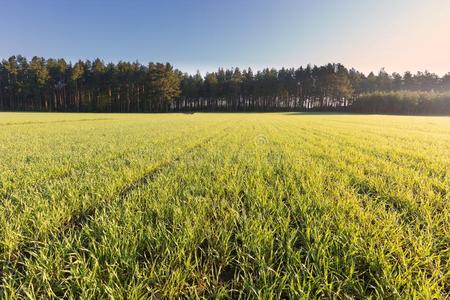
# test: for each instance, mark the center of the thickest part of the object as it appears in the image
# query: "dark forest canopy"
(93, 86)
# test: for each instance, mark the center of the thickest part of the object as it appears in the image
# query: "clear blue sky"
(396, 34)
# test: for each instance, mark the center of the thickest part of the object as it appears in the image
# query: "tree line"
(43, 84)
(403, 102)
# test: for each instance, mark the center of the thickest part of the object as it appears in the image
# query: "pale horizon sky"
(398, 35)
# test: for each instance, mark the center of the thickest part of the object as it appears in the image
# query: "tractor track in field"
(407, 212)
(361, 186)
(67, 173)
(41, 184)
(77, 221)
(384, 155)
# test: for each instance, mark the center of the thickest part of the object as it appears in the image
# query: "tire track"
(361, 186)
(41, 184)
(72, 171)
(77, 220)
(385, 154)
(26, 251)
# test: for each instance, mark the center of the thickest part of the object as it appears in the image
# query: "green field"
(224, 205)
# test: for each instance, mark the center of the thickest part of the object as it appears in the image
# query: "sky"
(397, 35)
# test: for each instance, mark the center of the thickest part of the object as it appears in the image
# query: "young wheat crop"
(224, 206)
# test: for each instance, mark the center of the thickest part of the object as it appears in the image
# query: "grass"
(224, 206)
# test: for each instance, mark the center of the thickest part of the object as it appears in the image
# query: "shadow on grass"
(320, 113)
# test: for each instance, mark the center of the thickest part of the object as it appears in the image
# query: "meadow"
(239, 205)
